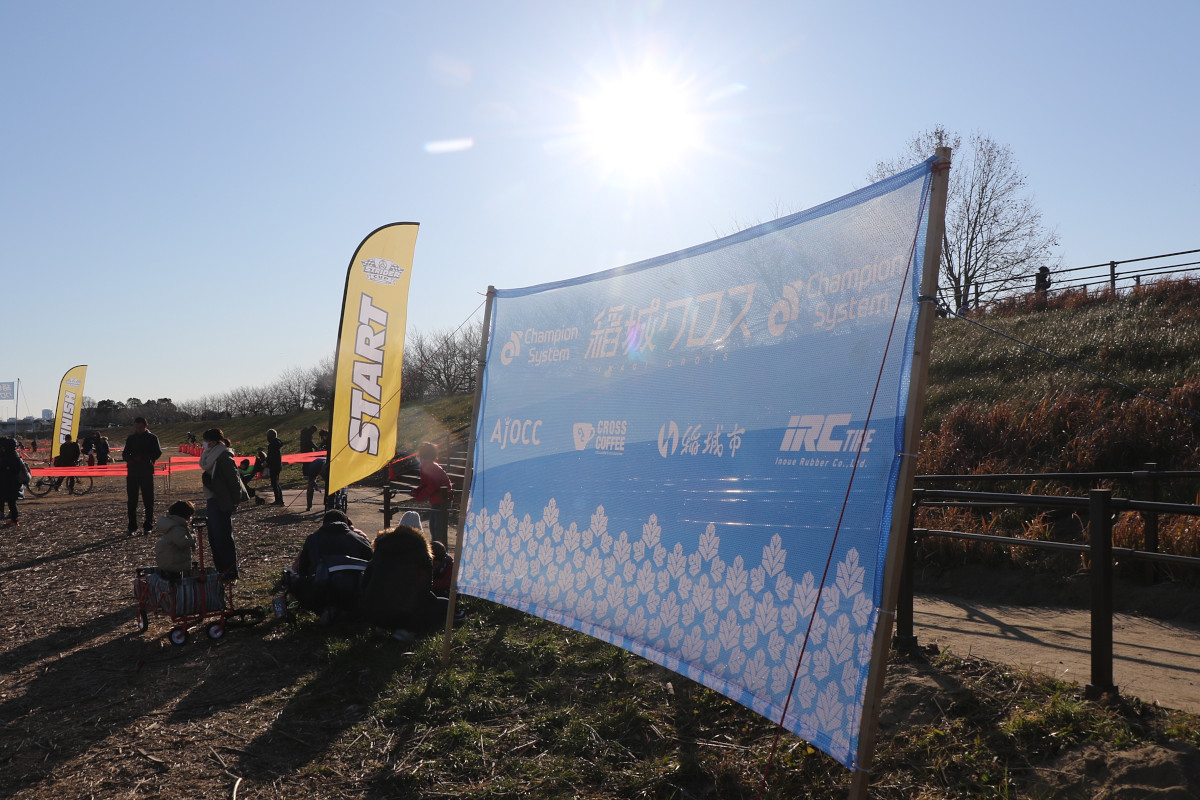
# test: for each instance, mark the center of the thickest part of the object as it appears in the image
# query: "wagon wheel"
(215, 630)
(178, 635)
(142, 622)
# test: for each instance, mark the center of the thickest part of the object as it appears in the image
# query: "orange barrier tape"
(171, 465)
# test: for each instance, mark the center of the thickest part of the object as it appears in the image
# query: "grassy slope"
(1149, 342)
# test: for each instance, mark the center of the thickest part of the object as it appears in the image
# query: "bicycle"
(42, 485)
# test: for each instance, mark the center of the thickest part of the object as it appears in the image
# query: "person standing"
(275, 463)
(140, 452)
(102, 450)
(223, 490)
(306, 439)
(12, 476)
(435, 486)
(68, 456)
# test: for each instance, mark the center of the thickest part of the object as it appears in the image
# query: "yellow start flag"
(370, 354)
(70, 405)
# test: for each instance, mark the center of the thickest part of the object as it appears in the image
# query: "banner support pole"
(902, 502)
(468, 474)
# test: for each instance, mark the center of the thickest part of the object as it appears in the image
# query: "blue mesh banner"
(695, 457)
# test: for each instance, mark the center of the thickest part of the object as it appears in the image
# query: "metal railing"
(1113, 276)
(1099, 506)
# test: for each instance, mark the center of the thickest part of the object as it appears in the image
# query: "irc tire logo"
(511, 349)
(668, 439)
(786, 310)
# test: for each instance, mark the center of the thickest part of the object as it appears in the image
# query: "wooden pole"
(468, 473)
(902, 503)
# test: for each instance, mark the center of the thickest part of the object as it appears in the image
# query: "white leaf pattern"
(758, 580)
(774, 556)
(830, 600)
(841, 640)
(829, 706)
(850, 574)
(863, 608)
(706, 616)
(709, 542)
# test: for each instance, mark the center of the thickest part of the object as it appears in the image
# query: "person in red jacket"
(436, 488)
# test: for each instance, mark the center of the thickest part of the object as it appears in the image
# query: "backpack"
(26, 475)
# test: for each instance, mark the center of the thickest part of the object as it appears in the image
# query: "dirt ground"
(89, 707)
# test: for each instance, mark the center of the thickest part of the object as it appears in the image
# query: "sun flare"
(640, 125)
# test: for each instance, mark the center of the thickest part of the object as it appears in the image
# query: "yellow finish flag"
(70, 406)
(370, 354)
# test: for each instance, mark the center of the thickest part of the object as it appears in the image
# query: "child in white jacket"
(173, 551)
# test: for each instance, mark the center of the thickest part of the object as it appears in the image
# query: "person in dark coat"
(397, 588)
(12, 473)
(103, 450)
(139, 454)
(68, 456)
(336, 543)
(275, 464)
(306, 439)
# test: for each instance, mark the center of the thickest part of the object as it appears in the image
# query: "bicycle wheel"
(41, 486)
(80, 485)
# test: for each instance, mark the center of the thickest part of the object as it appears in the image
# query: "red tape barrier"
(172, 465)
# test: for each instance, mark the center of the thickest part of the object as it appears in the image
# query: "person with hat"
(141, 451)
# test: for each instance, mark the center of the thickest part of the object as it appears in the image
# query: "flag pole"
(902, 502)
(468, 473)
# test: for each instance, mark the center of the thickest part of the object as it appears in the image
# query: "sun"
(641, 125)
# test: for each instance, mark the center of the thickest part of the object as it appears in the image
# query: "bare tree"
(444, 360)
(994, 233)
(291, 389)
(320, 383)
(414, 383)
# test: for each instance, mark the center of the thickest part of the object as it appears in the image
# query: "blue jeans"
(220, 539)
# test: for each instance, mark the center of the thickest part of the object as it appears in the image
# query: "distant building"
(48, 413)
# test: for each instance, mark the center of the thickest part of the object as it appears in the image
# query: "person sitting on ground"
(337, 543)
(173, 550)
(397, 588)
(247, 471)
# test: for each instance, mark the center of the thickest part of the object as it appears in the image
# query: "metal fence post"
(1100, 534)
(904, 640)
(1150, 524)
(1112, 276)
(387, 507)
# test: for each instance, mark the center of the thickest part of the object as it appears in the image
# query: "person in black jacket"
(140, 452)
(306, 439)
(68, 456)
(337, 543)
(275, 464)
(12, 472)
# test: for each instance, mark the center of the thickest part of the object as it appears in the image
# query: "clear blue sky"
(184, 184)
